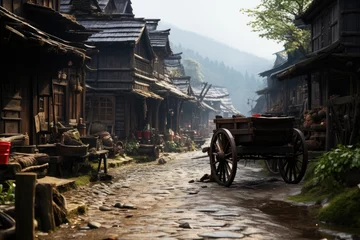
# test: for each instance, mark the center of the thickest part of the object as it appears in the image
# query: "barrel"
(4, 152)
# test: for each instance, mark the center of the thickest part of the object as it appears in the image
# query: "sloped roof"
(218, 94)
(183, 84)
(69, 6)
(115, 30)
(27, 32)
(103, 6)
(159, 38)
(152, 24)
(172, 89)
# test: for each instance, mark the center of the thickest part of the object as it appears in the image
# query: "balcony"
(143, 67)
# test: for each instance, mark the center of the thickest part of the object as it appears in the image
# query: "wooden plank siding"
(350, 25)
(120, 116)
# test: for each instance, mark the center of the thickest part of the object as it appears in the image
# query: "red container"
(146, 134)
(4, 152)
(256, 115)
(138, 134)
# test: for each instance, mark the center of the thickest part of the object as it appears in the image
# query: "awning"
(313, 62)
(172, 89)
(146, 94)
(207, 106)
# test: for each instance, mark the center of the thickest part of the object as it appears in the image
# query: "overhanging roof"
(313, 62)
(28, 33)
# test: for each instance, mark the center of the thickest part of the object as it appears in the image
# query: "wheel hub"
(220, 157)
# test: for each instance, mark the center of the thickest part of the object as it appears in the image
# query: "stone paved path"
(160, 201)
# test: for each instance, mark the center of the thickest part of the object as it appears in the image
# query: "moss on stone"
(82, 209)
(344, 209)
(82, 180)
(313, 190)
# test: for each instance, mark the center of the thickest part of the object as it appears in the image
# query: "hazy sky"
(218, 19)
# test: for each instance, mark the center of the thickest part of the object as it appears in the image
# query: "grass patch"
(342, 203)
(344, 209)
(313, 190)
(143, 158)
(82, 180)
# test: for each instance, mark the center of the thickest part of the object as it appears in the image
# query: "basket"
(72, 151)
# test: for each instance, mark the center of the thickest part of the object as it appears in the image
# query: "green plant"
(171, 146)
(337, 162)
(8, 195)
(131, 147)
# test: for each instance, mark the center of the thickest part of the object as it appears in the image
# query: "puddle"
(299, 218)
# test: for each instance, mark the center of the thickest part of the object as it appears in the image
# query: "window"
(325, 28)
(59, 102)
(334, 24)
(103, 109)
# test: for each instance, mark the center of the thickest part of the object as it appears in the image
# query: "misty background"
(215, 34)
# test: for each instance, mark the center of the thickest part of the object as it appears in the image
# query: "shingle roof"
(159, 38)
(152, 24)
(183, 84)
(115, 30)
(218, 94)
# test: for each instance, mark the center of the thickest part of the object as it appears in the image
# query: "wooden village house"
(43, 72)
(170, 109)
(283, 97)
(332, 68)
(121, 74)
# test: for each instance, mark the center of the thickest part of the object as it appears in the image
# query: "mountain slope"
(240, 86)
(207, 47)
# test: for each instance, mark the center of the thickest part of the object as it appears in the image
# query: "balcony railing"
(143, 67)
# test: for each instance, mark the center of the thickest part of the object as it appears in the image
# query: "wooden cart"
(273, 139)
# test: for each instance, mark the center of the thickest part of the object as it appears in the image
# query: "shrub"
(337, 162)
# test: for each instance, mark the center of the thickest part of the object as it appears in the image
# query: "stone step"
(61, 184)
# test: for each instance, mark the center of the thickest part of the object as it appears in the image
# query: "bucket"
(4, 152)
(139, 134)
(146, 134)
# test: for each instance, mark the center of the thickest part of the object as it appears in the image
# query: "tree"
(192, 69)
(274, 20)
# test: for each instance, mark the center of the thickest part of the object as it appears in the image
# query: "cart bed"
(261, 131)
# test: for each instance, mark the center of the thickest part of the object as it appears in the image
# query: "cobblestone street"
(167, 201)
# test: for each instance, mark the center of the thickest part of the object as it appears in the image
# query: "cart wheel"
(272, 165)
(223, 157)
(293, 169)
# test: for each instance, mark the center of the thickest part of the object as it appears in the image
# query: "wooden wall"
(113, 67)
(143, 49)
(350, 24)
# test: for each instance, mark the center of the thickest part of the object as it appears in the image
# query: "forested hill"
(241, 86)
(207, 47)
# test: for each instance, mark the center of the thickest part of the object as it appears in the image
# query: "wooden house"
(332, 67)
(171, 108)
(284, 97)
(121, 74)
(43, 69)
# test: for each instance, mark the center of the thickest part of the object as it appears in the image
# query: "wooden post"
(309, 89)
(44, 199)
(24, 205)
